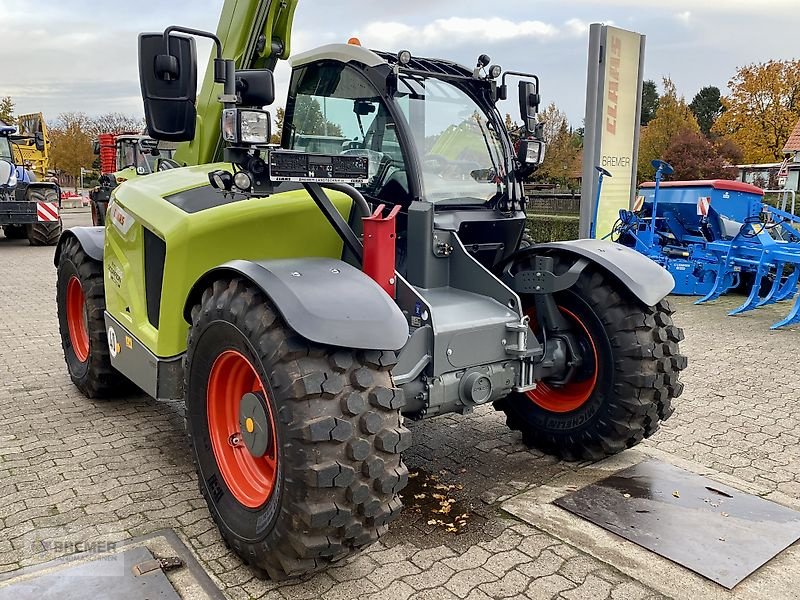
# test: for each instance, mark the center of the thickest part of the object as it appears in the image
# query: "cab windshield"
(5, 149)
(130, 154)
(461, 152)
(334, 109)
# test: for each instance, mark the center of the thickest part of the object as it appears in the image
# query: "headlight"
(246, 126)
(254, 126)
(243, 181)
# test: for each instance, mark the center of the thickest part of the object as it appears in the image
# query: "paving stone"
(424, 559)
(463, 582)
(550, 587)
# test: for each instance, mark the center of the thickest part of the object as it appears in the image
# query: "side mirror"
(8, 175)
(256, 87)
(529, 101)
(39, 141)
(169, 86)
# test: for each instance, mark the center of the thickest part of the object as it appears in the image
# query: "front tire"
(324, 481)
(630, 375)
(80, 298)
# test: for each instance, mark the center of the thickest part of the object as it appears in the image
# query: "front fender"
(324, 300)
(646, 280)
(91, 240)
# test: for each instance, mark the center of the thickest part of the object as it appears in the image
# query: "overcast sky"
(80, 55)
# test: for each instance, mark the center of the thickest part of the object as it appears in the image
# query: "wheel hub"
(254, 424)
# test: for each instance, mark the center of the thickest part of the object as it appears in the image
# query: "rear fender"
(326, 301)
(646, 280)
(90, 238)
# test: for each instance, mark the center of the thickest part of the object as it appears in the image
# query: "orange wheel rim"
(573, 395)
(76, 319)
(250, 479)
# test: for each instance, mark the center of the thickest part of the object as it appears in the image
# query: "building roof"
(793, 143)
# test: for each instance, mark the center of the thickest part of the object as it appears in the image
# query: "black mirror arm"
(188, 30)
(224, 70)
(504, 85)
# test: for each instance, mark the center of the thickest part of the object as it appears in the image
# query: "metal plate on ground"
(112, 570)
(111, 578)
(714, 530)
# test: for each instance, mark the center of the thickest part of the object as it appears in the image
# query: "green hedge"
(553, 228)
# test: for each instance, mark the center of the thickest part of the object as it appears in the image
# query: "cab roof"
(344, 53)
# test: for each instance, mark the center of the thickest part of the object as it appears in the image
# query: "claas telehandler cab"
(304, 304)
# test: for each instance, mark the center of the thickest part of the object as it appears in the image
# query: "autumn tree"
(671, 118)
(693, 156)
(707, 108)
(277, 132)
(310, 119)
(762, 109)
(7, 110)
(562, 160)
(115, 123)
(649, 101)
(553, 118)
(71, 143)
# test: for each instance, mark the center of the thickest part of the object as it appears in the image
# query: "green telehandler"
(302, 320)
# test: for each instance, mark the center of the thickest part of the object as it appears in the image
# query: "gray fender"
(648, 281)
(91, 240)
(326, 301)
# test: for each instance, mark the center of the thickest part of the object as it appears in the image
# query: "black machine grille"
(155, 254)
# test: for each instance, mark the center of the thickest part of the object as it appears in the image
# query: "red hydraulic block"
(380, 239)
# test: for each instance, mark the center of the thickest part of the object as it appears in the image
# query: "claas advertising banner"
(613, 112)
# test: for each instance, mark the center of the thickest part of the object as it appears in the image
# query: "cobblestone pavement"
(112, 470)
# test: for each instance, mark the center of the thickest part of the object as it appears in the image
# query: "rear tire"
(15, 232)
(332, 473)
(44, 233)
(83, 331)
(637, 375)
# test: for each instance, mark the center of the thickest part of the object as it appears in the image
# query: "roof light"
(495, 71)
(354, 41)
(404, 57)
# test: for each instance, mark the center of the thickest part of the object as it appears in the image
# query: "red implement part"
(380, 239)
(108, 152)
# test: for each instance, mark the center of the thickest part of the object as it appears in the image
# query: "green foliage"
(649, 101)
(707, 107)
(672, 117)
(553, 228)
(7, 110)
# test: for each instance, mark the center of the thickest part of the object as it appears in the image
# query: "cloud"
(684, 16)
(454, 31)
(577, 27)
